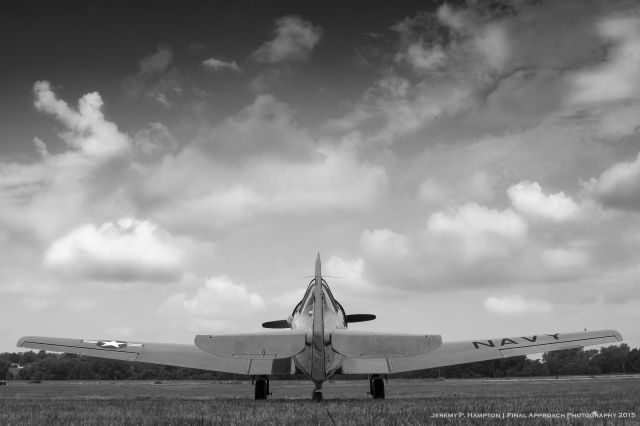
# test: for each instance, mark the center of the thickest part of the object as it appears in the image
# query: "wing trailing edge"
(257, 346)
(356, 344)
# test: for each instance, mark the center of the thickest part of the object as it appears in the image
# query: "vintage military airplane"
(319, 344)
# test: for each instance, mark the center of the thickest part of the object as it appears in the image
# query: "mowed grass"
(408, 402)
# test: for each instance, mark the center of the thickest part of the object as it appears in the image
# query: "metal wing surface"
(452, 353)
(179, 355)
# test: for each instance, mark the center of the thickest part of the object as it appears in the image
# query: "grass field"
(408, 402)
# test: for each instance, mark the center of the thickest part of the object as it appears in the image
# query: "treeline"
(50, 366)
(609, 360)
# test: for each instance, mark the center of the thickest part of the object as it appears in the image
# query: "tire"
(261, 389)
(377, 386)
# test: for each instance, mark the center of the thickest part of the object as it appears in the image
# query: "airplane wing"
(179, 355)
(452, 353)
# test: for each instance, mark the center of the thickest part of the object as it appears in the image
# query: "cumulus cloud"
(385, 243)
(619, 186)
(216, 305)
(121, 251)
(528, 199)
(473, 245)
(88, 131)
(260, 163)
(213, 198)
(294, 41)
(219, 65)
(515, 305)
(221, 297)
(44, 196)
(479, 232)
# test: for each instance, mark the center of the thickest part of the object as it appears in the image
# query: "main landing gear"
(316, 396)
(262, 387)
(376, 387)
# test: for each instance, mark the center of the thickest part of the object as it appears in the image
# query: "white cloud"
(476, 187)
(528, 199)
(219, 64)
(561, 258)
(81, 304)
(267, 127)
(37, 303)
(88, 131)
(423, 59)
(333, 181)
(153, 141)
(351, 270)
(474, 219)
(295, 39)
(126, 250)
(617, 78)
(493, 44)
(218, 298)
(54, 193)
(201, 192)
(515, 305)
(385, 243)
(478, 232)
(619, 186)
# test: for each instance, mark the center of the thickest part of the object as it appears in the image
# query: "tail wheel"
(262, 388)
(377, 388)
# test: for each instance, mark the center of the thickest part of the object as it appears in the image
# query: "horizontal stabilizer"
(271, 345)
(360, 318)
(380, 345)
(276, 324)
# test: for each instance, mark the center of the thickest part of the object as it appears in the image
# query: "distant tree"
(612, 359)
(633, 361)
(569, 361)
(4, 368)
(27, 357)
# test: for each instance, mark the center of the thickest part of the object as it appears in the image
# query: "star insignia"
(111, 344)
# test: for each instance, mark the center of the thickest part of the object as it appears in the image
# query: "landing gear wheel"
(316, 396)
(376, 386)
(262, 388)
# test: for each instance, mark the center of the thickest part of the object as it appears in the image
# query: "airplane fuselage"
(320, 314)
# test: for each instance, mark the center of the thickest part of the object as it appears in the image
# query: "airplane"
(318, 343)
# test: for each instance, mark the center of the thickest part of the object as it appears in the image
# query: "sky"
(469, 169)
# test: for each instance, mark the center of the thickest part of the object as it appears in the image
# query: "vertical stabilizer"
(318, 267)
(317, 362)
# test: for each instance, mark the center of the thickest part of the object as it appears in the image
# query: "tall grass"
(409, 402)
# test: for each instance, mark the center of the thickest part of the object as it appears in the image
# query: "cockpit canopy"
(329, 300)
